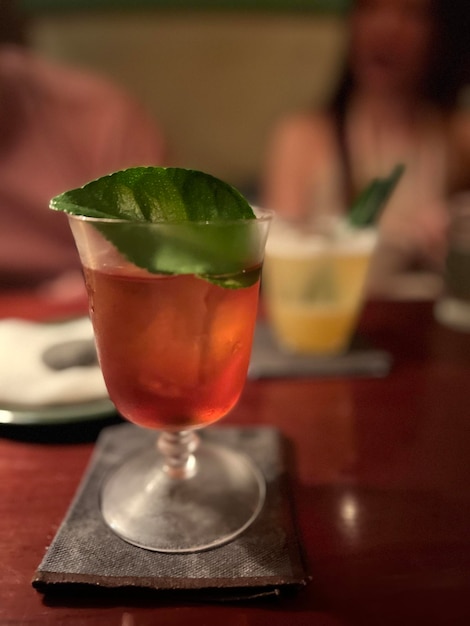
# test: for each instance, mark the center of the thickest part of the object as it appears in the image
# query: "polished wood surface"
(380, 478)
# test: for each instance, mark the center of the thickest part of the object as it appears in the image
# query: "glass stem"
(178, 451)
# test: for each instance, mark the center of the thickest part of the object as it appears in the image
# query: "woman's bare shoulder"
(305, 128)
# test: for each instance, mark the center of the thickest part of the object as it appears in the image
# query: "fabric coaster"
(270, 361)
(264, 560)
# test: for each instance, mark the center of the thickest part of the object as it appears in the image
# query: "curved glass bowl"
(173, 306)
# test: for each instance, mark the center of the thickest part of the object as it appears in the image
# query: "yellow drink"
(313, 286)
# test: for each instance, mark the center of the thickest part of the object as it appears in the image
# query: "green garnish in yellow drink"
(315, 273)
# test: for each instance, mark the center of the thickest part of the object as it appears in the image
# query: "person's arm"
(295, 163)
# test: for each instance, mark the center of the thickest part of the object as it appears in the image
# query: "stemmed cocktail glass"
(174, 350)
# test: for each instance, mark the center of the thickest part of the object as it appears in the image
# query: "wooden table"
(381, 486)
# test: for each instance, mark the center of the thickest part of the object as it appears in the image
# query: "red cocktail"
(174, 350)
(173, 307)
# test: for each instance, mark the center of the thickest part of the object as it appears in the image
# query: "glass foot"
(149, 505)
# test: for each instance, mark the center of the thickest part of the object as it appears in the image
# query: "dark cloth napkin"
(268, 360)
(264, 560)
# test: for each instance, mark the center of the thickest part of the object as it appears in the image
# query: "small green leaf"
(372, 200)
(218, 251)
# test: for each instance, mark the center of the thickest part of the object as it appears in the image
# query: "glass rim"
(261, 215)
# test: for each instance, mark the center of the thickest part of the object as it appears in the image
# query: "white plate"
(56, 414)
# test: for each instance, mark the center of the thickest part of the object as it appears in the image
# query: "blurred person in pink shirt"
(60, 127)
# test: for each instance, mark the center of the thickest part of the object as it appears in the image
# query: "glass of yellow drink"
(313, 283)
(174, 350)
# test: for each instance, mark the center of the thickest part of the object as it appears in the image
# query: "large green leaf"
(171, 196)
(156, 194)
